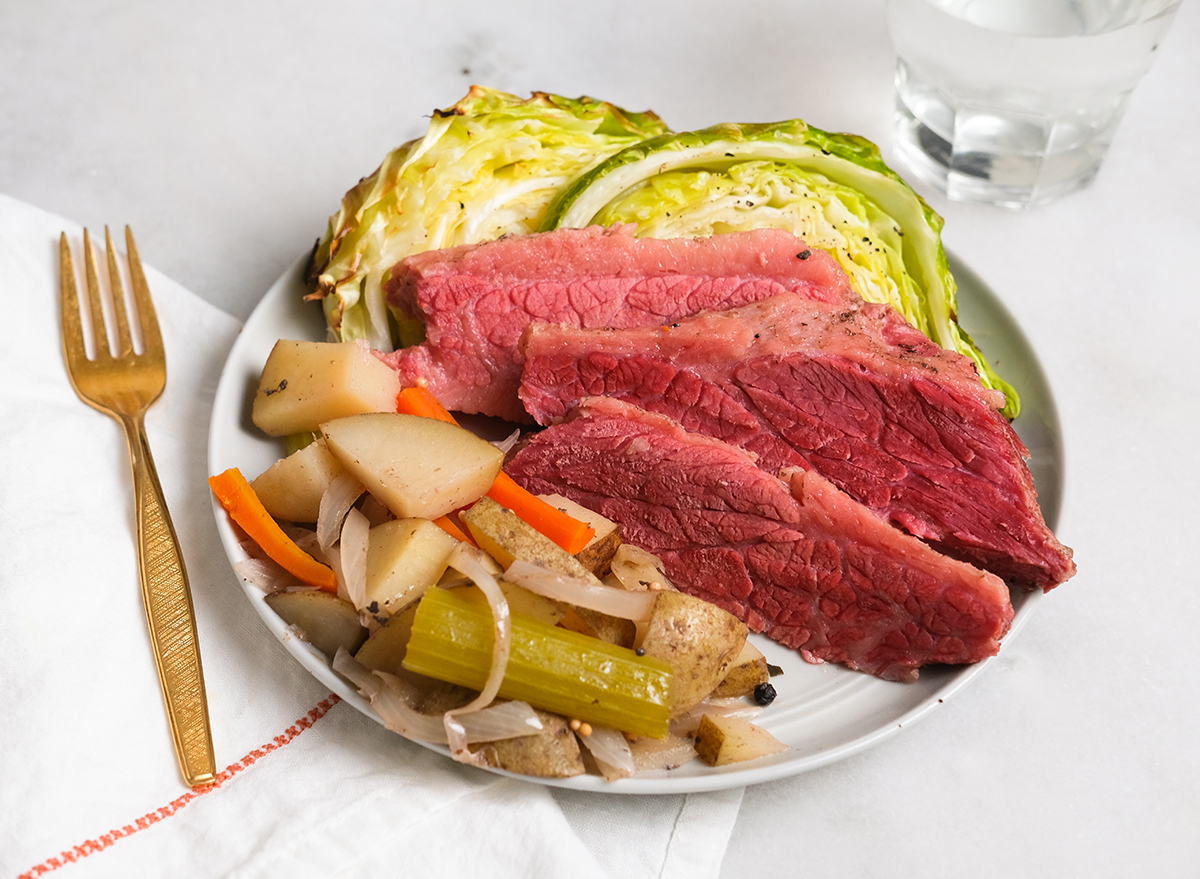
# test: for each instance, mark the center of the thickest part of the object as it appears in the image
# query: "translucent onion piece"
(505, 445)
(653, 755)
(687, 723)
(393, 700)
(637, 570)
(265, 575)
(605, 599)
(392, 708)
(306, 539)
(333, 558)
(335, 503)
(611, 750)
(354, 543)
(465, 559)
(508, 720)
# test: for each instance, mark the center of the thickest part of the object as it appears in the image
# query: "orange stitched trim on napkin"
(95, 845)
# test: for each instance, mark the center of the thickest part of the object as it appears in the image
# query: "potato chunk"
(404, 558)
(419, 467)
(698, 640)
(305, 383)
(291, 488)
(328, 622)
(505, 536)
(721, 740)
(747, 672)
(551, 753)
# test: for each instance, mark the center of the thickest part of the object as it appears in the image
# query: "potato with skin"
(747, 672)
(698, 640)
(552, 753)
(419, 467)
(505, 536)
(305, 383)
(328, 622)
(723, 740)
(291, 488)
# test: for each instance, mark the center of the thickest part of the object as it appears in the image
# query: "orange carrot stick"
(244, 507)
(418, 401)
(567, 531)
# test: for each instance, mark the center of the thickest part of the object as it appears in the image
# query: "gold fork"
(124, 386)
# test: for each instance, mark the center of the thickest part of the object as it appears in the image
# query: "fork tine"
(95, 306)
(151, 336)
(72, 325)
(124, 344)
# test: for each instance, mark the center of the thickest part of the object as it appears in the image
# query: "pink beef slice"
(852, 392)
(793, 557)
(475, 301)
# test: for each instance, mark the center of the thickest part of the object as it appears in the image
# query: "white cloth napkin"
(310, 787)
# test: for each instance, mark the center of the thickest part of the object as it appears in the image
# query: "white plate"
(824, 712)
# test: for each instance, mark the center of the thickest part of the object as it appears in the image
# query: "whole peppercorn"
(764, 694)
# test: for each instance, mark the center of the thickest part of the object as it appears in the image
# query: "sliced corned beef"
(475, 301)
(792, 557)
(852, 392)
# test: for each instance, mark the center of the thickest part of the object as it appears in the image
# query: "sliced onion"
(611, 750)
(573, 590)
(264, 574)
(393, 699)
(395, 712)
(638, 570)
(353, 545)
(335, 503)
(505, 445)
(465, 558)
(507, 720)
(652, 755)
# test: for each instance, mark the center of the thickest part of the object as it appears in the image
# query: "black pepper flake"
(730, 155)
(826, 152)
(804, 254)
(282, 387)
(764, 694)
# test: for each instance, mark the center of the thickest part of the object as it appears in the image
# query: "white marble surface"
(226, 133)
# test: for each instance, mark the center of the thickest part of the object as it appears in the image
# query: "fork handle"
(170, 615)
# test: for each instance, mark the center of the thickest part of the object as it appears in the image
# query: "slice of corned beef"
(852, 392)
(475, 301)
(793, 557)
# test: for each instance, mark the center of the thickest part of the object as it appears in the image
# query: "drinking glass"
(1015, 102)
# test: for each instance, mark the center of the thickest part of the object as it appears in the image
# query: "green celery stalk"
(550, 668)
